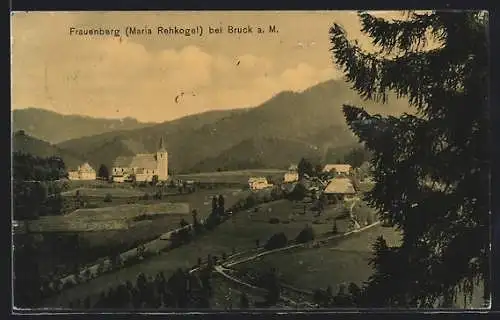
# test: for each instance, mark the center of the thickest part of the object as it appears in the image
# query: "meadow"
(103, 191)
(313, 268)
(238, 233)
(101, 232)
(240, 176)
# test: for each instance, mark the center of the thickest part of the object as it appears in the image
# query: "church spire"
(161, 147)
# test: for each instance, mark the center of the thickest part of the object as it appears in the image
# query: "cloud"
(113, 77)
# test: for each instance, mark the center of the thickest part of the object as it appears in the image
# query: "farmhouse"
(142, 167)
(291, 177)
(340, 188)
(258, 183)
(83, 172)
(338, 168)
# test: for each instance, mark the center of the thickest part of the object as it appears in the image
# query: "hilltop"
(42, 124)
(24, 143)
(279, 131)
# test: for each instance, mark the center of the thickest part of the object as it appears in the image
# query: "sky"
(140, 76)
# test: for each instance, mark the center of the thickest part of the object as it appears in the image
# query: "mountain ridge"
(290, 123)
(39, 123)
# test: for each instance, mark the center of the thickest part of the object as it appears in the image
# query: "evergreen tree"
(103, 172)
(244, 303)
(431, 168)
(221, 204)
(214, 204)
(305, 167)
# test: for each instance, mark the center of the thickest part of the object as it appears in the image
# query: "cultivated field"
(240, 176)
(103, 191)
(309, 269)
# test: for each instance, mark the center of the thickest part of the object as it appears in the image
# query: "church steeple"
(162, 161)
(161, 146)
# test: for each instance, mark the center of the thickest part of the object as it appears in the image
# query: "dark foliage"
(431, 168)
(278, 240)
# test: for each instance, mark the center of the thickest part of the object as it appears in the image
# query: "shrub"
(145, 196)
(108, 198)
(306, 235)
(100, 268)
(68, 284)
(87, 274)
(278, 240)
(298, 193)
(274, 220)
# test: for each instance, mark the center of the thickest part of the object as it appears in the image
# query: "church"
(142, 167)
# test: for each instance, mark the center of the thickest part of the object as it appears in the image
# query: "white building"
(258, 183)
(291, 177)
(83, 172)
(142, 167)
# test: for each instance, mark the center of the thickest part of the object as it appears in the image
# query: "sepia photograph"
(170, 161)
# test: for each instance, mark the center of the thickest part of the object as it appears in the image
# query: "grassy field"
(239, 232)
(103, 191)
(346, 261)
(107, 218)
(240, 176)
(117, 233)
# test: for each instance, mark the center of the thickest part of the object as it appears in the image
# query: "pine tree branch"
(400, 35)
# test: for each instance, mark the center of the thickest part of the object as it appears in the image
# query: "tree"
(305, 235)
(154, 180)
(183, 223)
(273, 287)
(244, 303)
(298, 193)
(221, 204)
(278, 240)
(108, 197)
(357, 156)
(305, 167)
(214, 205)
(431, 168)
(103, 172)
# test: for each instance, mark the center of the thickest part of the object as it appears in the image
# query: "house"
(258, 183)
(83, 172)
(338, 168)
(118, 178)
(290, 177)
(142, 167)
(339, 188)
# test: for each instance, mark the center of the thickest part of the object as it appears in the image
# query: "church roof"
(340, 186)
(122, 161)
(145, 161)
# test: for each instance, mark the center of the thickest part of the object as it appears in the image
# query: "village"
(331, 184)
(137, 214)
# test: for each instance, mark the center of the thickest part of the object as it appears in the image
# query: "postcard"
(254, 160)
